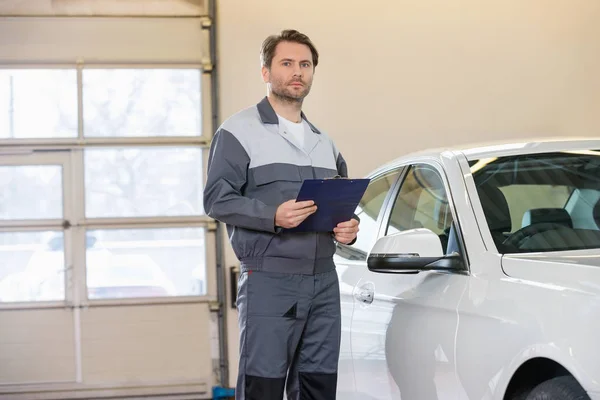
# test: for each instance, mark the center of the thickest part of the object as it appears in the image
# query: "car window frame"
(401, 170)
(390, 201)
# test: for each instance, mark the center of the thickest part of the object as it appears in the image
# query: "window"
(143, 182)
(38, 104)
(422, 202)
(30, 268)
(541, 202)
(127, 263)
(132, 161)
(368, 211)
(31, 192)
(141, 102)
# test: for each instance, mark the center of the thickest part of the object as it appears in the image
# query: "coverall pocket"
(272, 294)
(283, 172)
(277, 184)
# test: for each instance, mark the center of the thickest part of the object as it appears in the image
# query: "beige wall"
(402, 75)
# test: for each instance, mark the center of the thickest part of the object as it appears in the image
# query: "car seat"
(543, 215)
(497, 213)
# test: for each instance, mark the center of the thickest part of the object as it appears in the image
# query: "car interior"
(561, 196)
(423, 203)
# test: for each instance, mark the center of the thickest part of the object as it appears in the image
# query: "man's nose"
(297, 70)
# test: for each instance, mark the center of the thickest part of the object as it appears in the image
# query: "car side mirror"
(412, 251)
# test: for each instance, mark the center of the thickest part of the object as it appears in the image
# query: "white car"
(476, 275)
(109, 275)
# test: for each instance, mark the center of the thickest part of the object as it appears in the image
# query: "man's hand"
(345, 232)
(291, 213)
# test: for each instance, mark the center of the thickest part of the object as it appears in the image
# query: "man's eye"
(305, 65)
(286, 64)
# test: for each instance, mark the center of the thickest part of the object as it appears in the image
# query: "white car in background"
(476, 275)
(109, 276)
(42, 278)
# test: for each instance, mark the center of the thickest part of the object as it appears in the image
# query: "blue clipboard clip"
(336, 199)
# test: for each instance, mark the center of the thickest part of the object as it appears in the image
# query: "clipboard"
(336, 200)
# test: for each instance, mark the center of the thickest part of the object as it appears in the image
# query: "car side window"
(368, 210)
(422, 202)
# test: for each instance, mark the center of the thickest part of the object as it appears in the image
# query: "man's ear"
(266, 74)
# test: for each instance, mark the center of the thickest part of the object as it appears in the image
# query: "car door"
(403, 325)
(351, 262)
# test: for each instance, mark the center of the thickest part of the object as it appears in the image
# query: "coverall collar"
(269, 116)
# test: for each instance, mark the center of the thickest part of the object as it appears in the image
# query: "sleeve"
(342, 169)
(227, 174)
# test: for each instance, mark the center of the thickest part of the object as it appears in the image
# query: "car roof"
(499, 149)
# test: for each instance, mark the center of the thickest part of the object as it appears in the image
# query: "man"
(288, 291)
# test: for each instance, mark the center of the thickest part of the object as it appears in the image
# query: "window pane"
(422, 203)
(32, 266)
(38, 104)
(368, 211)
(31, 192)
(143, 182)
(129, 263)
(141, 102)
(541, 202)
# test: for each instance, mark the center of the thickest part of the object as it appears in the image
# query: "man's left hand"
(345, 232)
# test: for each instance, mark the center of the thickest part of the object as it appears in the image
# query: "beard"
(285, 93)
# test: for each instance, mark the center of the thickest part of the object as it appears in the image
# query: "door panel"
(369, 332)
(154, 344)
(351, 264)
(36, 346)
(403, 343)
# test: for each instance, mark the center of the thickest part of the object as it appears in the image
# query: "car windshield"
(541, 202)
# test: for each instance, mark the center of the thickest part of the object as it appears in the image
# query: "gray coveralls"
(288, 290)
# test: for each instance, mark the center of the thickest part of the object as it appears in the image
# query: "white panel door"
(107, 258)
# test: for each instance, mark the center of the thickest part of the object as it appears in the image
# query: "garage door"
(106, 256)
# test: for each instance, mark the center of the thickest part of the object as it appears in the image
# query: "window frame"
(390, 202)
(378, 222)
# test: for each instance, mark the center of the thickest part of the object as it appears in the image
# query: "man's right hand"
(291, 213)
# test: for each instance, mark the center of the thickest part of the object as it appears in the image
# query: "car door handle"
(364, 294)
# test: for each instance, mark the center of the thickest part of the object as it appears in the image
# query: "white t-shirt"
(296, 129)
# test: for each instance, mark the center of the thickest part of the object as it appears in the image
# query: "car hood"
(567, 270)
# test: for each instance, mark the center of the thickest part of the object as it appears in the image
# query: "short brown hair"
(267, 50)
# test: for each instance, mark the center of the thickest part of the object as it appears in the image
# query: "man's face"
(291, 73)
